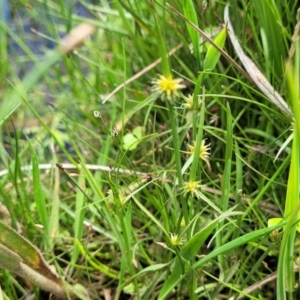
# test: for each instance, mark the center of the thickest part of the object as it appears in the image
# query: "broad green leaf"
(274, 221)
(213, 55)
(18, 255)
(191, 14)
(286, 277)
(28, 253)
(242, 240)
(9, 259)
(138, 132)
(131, 140)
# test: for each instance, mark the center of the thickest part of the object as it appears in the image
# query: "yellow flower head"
(193, 188)
(175, 240)
(167, 86)
(189, 102)
(122, 198)
(204, 151)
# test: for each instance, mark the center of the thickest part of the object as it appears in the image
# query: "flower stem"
(178, 162)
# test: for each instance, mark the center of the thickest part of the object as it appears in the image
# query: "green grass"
(125, 220)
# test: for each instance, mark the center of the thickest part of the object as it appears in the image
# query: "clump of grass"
(147, 162)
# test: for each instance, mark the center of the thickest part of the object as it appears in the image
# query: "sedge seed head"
(175, 240)
(204, 151)
(192, 188)
(168, 87)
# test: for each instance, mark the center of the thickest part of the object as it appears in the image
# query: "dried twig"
(256, 75)
(73, 167)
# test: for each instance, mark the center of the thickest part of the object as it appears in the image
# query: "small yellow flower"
(189, 102)
(167, 86)
(204, 151)
(175, 240)
(111, 198)
(193, 188)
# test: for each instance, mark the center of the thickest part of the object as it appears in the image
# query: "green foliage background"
(107, 220)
